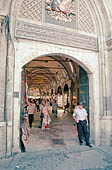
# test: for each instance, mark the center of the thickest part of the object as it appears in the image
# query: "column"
(3, 134)
(2, 65)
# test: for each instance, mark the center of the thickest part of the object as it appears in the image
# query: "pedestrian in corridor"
(66, 107)
(49, 110)
(31, 110)
(80, 116)
(55, 107)
(41, 115)
(37, 105)
(45, 112)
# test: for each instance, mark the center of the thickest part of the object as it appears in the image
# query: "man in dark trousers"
(66, 106)
(55, 107)
(80, 116)
(31, 110)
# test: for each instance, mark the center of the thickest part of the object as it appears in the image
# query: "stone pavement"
(57, 148)
(64, 158)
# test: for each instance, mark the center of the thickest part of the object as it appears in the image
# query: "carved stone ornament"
(62, 11)
(55, 36)
(31, 9)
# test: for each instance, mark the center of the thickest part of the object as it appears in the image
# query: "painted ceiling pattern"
(63, 11)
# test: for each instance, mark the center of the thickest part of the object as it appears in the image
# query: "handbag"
(74, 123)
(42, 115)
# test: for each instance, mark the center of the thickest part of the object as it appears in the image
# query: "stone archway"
(81, 57)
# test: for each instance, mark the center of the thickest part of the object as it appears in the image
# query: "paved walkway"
(57, 148)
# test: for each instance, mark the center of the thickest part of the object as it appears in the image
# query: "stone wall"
(2, 68)
(3, 139)
(2, 87)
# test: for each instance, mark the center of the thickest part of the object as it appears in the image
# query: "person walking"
(37, 105)
(49, 111)
(45, 112)
(31, 110)
(66, 107)
(41, 115)
(55, 106)
(80, 116)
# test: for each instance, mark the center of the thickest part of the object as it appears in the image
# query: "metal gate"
(84, 88)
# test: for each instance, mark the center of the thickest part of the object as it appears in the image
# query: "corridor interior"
(61, 133)
(54, 77)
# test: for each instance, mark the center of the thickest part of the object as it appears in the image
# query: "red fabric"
(46, 126)
(47, 123)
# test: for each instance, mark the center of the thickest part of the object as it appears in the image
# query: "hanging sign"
(40, 79)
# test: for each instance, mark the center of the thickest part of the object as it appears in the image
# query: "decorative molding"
(52, 35)
(109, 44)
(72, 14)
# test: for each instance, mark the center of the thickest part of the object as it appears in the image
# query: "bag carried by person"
(42, 115)
(74, 123)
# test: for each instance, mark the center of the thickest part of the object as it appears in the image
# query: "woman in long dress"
(45, 112)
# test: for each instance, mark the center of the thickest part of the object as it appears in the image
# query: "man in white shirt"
(80, 116)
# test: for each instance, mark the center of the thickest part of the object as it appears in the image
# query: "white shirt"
(80, 114)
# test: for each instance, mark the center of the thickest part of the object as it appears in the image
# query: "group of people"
(45, 112)
(44, 108)
(79, 115)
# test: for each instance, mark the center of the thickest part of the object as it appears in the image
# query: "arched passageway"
(38, 35)
(49, 70)
(53, 75)
(30, 31)
(54, 78)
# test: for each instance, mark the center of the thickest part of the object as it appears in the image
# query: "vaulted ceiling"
(48, 71)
